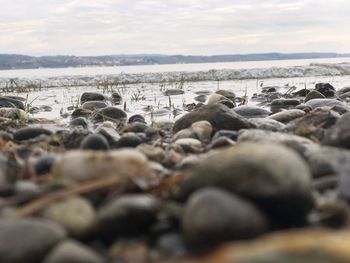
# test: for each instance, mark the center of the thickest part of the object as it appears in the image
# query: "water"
(92, 71)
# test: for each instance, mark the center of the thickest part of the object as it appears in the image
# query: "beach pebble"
(227, 94)
(343, 91)
(30, 133)
(287, 115)
(267, 124)
(93, 105)
(272, 176)
(8, 102)
(325, 89)
(28, 240)
(70, 251)
(171, 92)
(91, 96)
(283, 104)
(129, 139)
(81, 113)
(79, 121)
(314, 94)
(111, 113)
(213, 216)
(95, 142)
(251, 111)
(339, 134)
(316, 103)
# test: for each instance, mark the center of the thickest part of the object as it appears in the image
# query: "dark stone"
(93, 105)
(213, 216)
(301, 93)
(129, 140)
(219, 116)
(44, 164)
(314, 94)
(283, 104)
(267, 124)
(95, 142)
(317, 103)
(137, 118)
(201, 98)
(251, 111)
(29, 133)
(339, 134)
(228, 103)
(81, 113)
(343, 91)
(171, 92)
(79, 121)
(222, 142)
(109, 114)
(27, 241)
(8, 102)
(227, 93)
(226, 133)
(130, 214)
(90, 96)
(326, 89)
(287, 115)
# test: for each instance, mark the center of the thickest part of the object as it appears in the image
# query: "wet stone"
(79, 121)
(213, 216)
(316, 103)
(325, 89)
(8, 102)
(30, 133)
(281, 104)
(314, 94)
(267, 124)
(129, 139)
(95, 142)
(93, 105)
(251, 111)
(287, 115)
(113, 114)
(171, 92)
(339, 134)
(91, 96)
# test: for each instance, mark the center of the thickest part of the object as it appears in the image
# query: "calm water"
(91, 71)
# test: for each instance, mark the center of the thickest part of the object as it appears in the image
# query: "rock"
(112, 114)
(343, 91)
(30, 133)
(184, 133)
(226, 133)
(287, 115)
(8, 102)
(108, 130)
(130, 140)
(222, 142)
(345, 96)
(153, 153)
(136, 127)
(202, 129)
(201, 98)
(44, 164)
(70, 251)
(79, 121)
(95, 142)
(251, 111)
(227, 94)
(272, 176)
(87, 165)
(219, 116)
(301, 93)
(217, 98)
(314, 94)
(116, 98)
(81, 113)
(325, 89)
(307, 246)
(189, 144)
(137, 118)
(13, 113)
(213, 216)
(91, 96)
(75, 214)
(267, 124)
(283, 104)
(93, 105)
(130, 214)
(171, 245)
(339, 134)
(28, 240)
(172, 92)
(316, 103)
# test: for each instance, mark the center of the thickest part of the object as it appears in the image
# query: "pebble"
(251, 111)
(8, 102)
(30, 133)
(95, 142)
(283, 104)
(213, 216)
(91, 96)
(287, 115)
(93, 105)
(314, 94)
(339, 134)
(111, 113)
(172, 92)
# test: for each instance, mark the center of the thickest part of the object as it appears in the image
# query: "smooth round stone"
(343, 91)
(81, 113)
(93, 105)
(79, 121)
(201, 98)
(213, 216)
(137, 118)
(8, 102)
(81, 166)
(339, 134)
(13, 113)
(325, 89)
(44, 164)
(267, 124)
(215, 98)
(345, 95)
(95, 142)
(153, 153)
(107, 130)
(28, 240)
(314, 94)
(219, 116)
(116, 98)
(130, 140)
(272, 176)
(226, 133)
(202, 129)
(222, 142)
(91, 96)
(189, 144)
(109, 114)
(287, 115)
(130, 214)
(251, 111)
(30, 133)
(317, 103)
(283, 104)
(227, 94)
(136, 127)
(185, 133)
(171, 92)
(171, 245)
(70, 251)
(301, 93)
(75, 214)
(228, 103)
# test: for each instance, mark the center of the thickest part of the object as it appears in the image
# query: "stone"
(137, 118)
(91, 96)
(111, 113)
(81, 166)
(30, 133)
(70, 251)
(81, 113)
(314, 94)
(93, 105)
(212, 216)
(130, 214)
(201, 98)
(267, 124)
(325, 89)
(272, 176)
(189, 144)
(283, 104)
(13, 113)
(339, 134)
(219, 116)
(95, 142)
(28, 240)
(129, 140)
(43, 164)
(227, 93)
(202, 129)
(172, 92)
(79, 121)
(316, 103)
(75, 214)
(343, 91)
(222, 142)
(251, 111)
(107, 129)
(8, 102)
(287, 115)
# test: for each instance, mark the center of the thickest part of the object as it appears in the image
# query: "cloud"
(96, 27)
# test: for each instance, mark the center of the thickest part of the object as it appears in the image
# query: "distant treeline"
(10, 61)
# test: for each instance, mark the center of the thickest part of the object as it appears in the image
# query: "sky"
(188, 27)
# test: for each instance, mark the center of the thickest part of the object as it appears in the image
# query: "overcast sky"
(196, 27)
